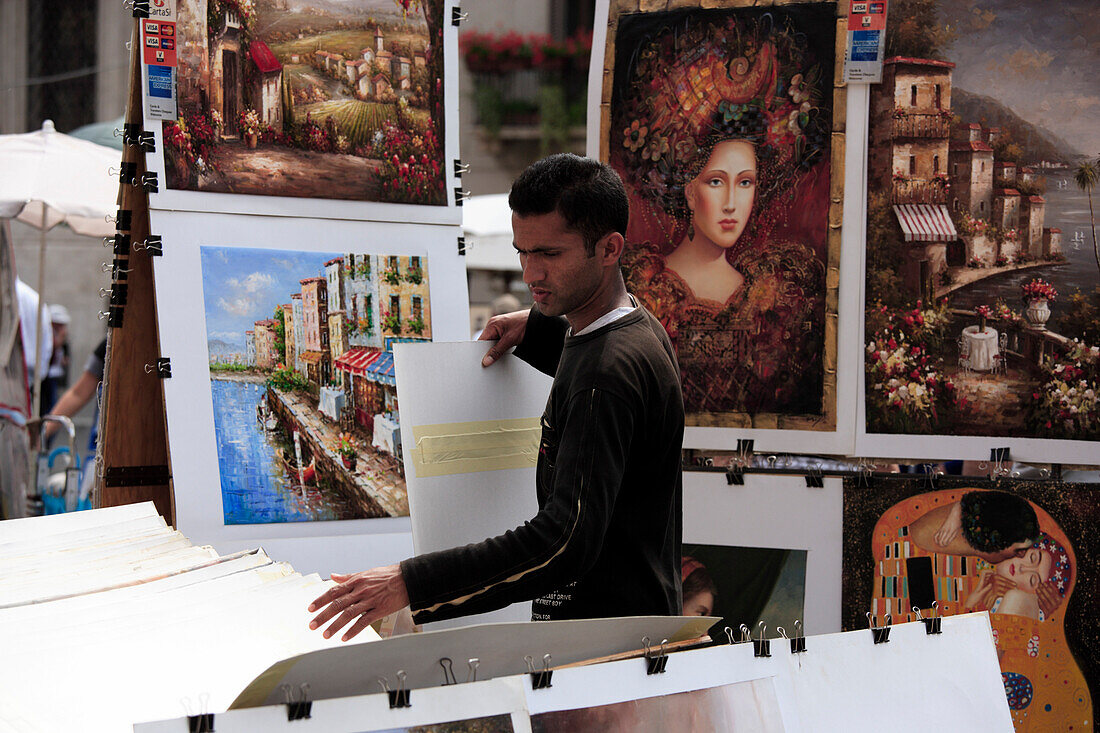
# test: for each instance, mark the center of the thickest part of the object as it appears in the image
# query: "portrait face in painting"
(1029, 571)
(721, 196)
(720, 128)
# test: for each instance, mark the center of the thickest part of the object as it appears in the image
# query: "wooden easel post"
(133, 437)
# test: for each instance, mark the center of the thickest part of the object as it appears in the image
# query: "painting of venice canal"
(306, 417)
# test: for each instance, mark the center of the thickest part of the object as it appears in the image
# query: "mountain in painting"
(1038, 142)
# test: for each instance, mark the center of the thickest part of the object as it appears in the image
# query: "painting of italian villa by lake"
(981, 314)
(338, 100)
(306, 417)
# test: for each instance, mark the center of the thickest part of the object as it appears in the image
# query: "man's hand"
(370, 595)
(507, 330)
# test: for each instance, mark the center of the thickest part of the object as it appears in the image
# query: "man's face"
(562, 276)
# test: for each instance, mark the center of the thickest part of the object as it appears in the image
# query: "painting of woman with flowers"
(720, 124)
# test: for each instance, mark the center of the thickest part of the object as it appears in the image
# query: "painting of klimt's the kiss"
(720, 124)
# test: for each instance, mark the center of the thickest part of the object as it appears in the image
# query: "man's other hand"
(507, 330)
(367, 596)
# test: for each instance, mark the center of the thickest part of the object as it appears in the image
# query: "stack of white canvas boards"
(842, 682)
(110, 617)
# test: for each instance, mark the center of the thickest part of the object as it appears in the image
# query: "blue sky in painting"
(243, 285)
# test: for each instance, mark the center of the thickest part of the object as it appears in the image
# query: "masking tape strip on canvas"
(471, 447)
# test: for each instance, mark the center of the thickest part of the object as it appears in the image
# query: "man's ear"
(610, 248)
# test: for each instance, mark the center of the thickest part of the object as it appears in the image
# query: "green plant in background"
(489, 103)
(414, 275)
(392, 276)
(416, 325)
(553, 118)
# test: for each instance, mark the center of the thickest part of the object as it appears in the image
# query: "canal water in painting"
(1067, 208)
(256, 488)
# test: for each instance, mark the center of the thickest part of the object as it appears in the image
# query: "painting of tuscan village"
(302, 379)
(983, 276)
(337, 99)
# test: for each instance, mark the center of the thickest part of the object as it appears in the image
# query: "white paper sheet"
(779, 512)
(445, 383)
(500, 649)
(366, 713)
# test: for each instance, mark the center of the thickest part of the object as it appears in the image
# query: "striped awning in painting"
(356, 361)
(381, 370)
(926, 223)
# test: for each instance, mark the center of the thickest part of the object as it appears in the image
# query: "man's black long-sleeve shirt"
(606, 538)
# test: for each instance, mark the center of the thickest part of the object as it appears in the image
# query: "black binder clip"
(203, 723)
(655, 662)
(163, 368)
(462, 245)
(448, 671)
(735, 473)
(401, 697)
(814, 478)
(131, 133)
(118, 294)
(147, 142)
(461, 168)
(127, 172)
(117, 268)
(998, 457)
(297, 707)
(540, 679)
(153, 244)
(114, 316)
(141, 10)
(865, 471)
(881, 634)
(932, 623)
(460, 196)
(457, 16)
(123, 219)
(798, 641)
(149, 182)
(120, 242)
(761, 647)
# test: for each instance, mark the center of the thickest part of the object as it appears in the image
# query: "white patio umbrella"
(48, 178)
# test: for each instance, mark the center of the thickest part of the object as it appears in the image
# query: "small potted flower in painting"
(249, 122)
(1037, 294)
(346, 448)
(984, 313)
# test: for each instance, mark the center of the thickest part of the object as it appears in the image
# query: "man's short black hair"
(588, 194)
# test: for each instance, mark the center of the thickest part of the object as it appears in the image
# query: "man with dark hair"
(606, 538)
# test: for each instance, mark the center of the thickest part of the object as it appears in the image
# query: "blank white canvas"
(445, 383)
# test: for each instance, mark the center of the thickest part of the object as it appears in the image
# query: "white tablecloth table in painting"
(385, 434)
(331, 403)
(983, 347)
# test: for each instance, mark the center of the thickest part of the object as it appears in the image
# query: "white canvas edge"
(349, 714)
(616, 682)
(595, 79)
(841, 440)
(283, 206)
(342, 545)
(777, 512)
(936, 447)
